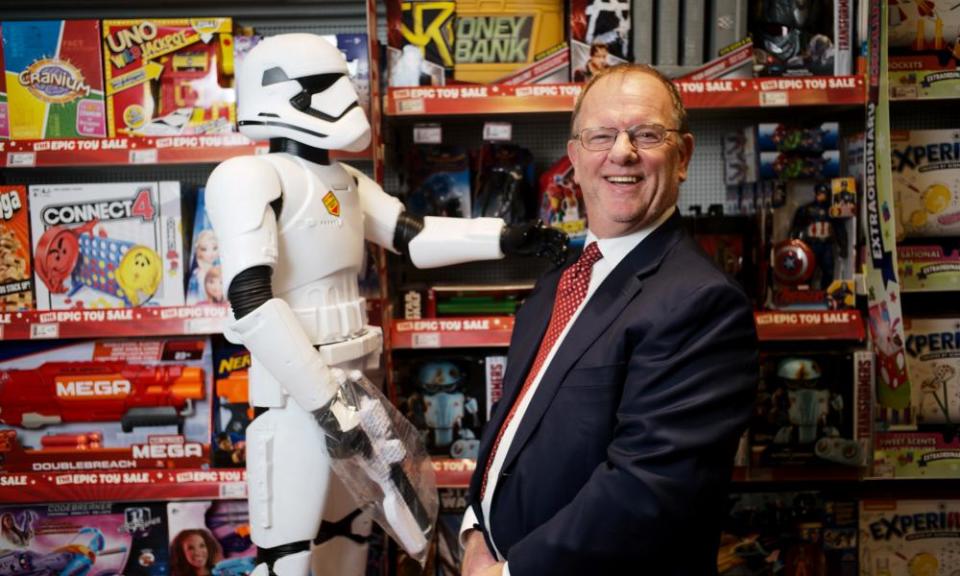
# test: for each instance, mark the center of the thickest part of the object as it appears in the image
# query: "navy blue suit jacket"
(621, 462)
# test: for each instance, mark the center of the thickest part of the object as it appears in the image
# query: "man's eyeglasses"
(641, 136)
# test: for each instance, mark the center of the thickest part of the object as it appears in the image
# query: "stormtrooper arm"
(433, 241)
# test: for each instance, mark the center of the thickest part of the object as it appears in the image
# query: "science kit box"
(933, 362)
(168, 77)
(926, 181)
(114, 245)
(105, 405)
(54, 79)
(923, 39)
(84, 538)
(909, 537)
(16, 279)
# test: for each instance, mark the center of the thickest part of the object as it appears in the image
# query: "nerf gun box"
(107, 245)
(926, 182)
(168, 77)
(54, 79)
(599, 36)
(223, 527)
(84, 538)
(909, 537)
(16, 280)
(105, 404)
(231, 404)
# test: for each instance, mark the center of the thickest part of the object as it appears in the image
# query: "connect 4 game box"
(169, 76)
(16, 292)
(107, 245)
(54, 80)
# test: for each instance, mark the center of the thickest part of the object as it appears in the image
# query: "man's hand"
(477, 557)
(495, 570)
(534, 239)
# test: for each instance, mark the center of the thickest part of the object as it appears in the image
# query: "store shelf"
(783, 325)
(125, 485)
(453, 472)
(112, 322)
(798, 474)
(702, 94)
(466, 332)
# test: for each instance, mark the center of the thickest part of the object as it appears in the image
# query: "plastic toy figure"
(804, 411)
(446, 407)
(291, 226)
(813, 225)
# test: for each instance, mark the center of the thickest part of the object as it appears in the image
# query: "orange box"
(16, 280)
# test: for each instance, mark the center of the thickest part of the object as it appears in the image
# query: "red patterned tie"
(570, 293)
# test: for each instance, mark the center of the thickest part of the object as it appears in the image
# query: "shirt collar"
(616, 249)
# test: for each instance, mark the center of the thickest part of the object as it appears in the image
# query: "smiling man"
(631, 372)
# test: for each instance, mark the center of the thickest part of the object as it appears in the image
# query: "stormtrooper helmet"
(296, 86)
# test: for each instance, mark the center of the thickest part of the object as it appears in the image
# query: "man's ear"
(573, 150)
(685, 148)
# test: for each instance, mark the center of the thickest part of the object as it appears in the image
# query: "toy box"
(923, 49)
(929, 266)
(806, 411)
(812, 139)
(354, 50)
(505, 182)
(16, 280)
(4, 109)
(169, 76)
(231, 404)
(926, 182)
(793, 166)
(439, 181)
(916, 455)
(54, 80)
(933, 362)
(105, 404)
(223, 527)
(788, 533)
(811, 251)
(107, 245)
(561, 201)
(84, 539)
(599, 36)
(909, 537)
(472, 41)
(812, 38)
(205, 279)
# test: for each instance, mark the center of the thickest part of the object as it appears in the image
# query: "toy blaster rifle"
(109, 391)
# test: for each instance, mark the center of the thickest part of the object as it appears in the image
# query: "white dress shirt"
(614, 250)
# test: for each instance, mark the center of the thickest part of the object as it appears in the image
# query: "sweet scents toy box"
(105, 405)
(54, 79)
(926, 181)
(107, 245)
(168, 77)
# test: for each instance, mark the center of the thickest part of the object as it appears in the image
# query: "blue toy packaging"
(205, 281)
(439, 181)
(223, 529)
(231, 404)
(505, 183)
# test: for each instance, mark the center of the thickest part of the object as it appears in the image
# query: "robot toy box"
(444, 397)
(916, 455)
(599, 36)
(811, 247)
(807, 413)
(909, 537)
(812, 38)
(54, 79)
(16, 280)
(926, 182)
(169, 77)
(933, 362)
(107, 245)
(105, 405)
(924, 48)
(83, 539)
(222, 528)
(472, 41)
(231, 404)
(205, 278)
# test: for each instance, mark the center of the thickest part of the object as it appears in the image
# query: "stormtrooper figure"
(291, 226)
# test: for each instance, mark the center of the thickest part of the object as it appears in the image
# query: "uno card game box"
(167, 77)
(16, 280)
(926, 181)
(54, 79)
(107, 245)
(909, 537)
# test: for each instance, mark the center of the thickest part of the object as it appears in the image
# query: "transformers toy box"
(806, 412)
(107, 245)
(83, 539)
(926, 182)
(222, 527)
(909, 537)
(105, 405)
(433, 43)
(169, 77)
(54, 79)
(16, 280)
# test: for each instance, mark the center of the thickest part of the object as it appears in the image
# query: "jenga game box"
(114, 245)
(16, 280)
(4, 109)
(169, 76)
(105, 405)
(54, 80)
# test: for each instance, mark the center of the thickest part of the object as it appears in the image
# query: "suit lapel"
(604, 306)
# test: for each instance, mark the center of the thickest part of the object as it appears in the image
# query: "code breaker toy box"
(105, 405)
(909, 537)
(169, 76)
(926, 181)
(84, 538)
(107, 245)
(16, 281)
(54, 79)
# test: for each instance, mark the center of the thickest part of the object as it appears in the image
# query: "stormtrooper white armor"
(291, 227)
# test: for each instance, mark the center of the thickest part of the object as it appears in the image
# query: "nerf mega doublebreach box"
(105, 405)
(909, 537)
(84, 539)
(107, 245)
(16, 280)
(169, 76)
(54, 79)
(926, 181)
